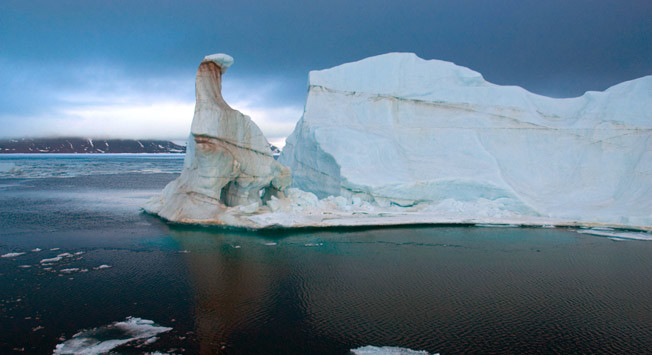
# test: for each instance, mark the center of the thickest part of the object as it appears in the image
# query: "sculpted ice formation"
(397, 130)
(395, 139)
(228, 161)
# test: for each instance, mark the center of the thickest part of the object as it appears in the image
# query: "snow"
(103, 339)
(387, 350)
(223, 60)
(399, 130)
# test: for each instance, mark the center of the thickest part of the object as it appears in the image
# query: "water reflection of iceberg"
(240, 291)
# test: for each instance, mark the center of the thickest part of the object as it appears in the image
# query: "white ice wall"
(397, 128)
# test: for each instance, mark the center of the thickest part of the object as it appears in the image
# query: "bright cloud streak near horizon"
(150, 110)
(161, 120)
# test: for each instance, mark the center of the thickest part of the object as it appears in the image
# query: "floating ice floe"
(36, 250)
(616, 234)
(103, 266)
(103, 339)
(11, 255)
(68, 271)
(56, 258)
(387, 350)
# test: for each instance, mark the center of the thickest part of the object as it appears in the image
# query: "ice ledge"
(224, 61)
(300, 209)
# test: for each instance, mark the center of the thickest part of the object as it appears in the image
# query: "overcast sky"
(126, 68)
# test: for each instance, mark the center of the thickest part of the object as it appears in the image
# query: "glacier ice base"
(395, 139)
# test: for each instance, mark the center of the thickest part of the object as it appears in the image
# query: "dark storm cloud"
(559, 48)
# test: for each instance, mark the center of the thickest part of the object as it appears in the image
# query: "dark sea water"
(439, 289)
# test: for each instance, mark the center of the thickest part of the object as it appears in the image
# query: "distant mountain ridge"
(87, 145)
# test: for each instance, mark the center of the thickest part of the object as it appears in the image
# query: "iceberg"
(395, 129)
(395, 139)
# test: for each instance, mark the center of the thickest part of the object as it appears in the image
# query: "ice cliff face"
(399, 130)
(228, 164)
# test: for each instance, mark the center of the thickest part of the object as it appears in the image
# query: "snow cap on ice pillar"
(224, 61)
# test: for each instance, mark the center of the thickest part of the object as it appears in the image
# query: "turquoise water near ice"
(440, 289)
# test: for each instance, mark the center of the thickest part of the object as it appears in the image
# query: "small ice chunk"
(68, 271)
(387, 350)
(270, 243)
(56, 258)
(103, 339)
(54, 249)
(51, 260)
(313, 244)
(608, 232)
(103, 266)
(36, 250)
(24, 266)
(11, 255)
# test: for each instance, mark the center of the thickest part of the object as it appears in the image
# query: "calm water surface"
(439, 289)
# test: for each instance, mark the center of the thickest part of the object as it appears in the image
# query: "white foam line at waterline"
(616, 234)
(387, 350)
(497, 225)
(103, 339)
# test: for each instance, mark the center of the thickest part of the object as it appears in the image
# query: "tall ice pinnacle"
(228, 160)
